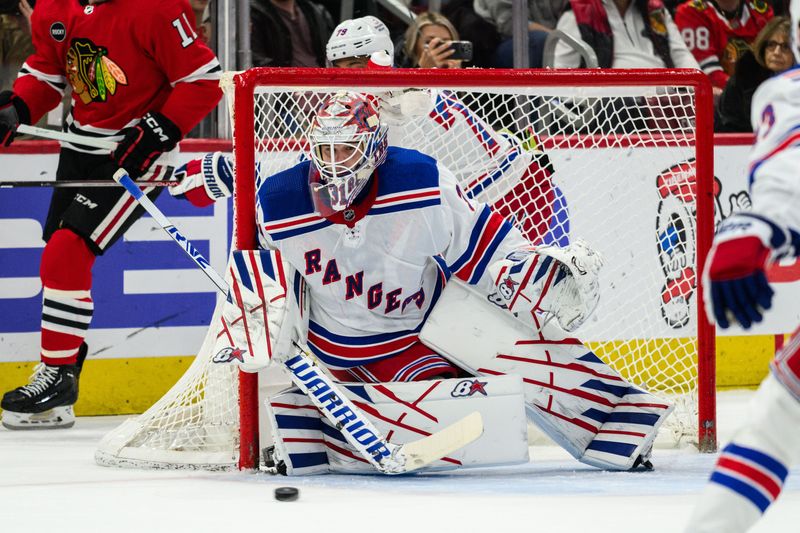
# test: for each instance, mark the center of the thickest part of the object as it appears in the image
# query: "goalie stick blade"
(421, 453)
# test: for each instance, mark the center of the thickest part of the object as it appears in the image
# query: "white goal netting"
(613, 158)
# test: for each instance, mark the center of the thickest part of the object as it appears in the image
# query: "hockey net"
(622, 159)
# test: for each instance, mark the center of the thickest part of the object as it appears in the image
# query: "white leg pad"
(573, 396)
(309, 444)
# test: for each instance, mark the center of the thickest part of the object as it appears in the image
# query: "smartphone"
(462, 50)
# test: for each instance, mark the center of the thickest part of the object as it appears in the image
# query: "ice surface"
(50, 483)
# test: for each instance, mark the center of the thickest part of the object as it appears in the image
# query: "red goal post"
(699, 137)
(620, 158)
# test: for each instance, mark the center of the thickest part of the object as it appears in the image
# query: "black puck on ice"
(286, 494)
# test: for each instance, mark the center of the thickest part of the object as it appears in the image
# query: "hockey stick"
(386, 457)
(67, 137)
(75, 139)
(66, 184)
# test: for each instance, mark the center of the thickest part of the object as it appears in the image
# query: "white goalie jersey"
(374, 280)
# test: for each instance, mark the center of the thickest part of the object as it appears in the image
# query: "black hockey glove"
(13, 112)
(144, 142)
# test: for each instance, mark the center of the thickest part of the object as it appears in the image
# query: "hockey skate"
(643, 463)
(272, 462)
(46, 402)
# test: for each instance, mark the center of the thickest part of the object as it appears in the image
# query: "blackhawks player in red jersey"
(140, 77)
(717, 32)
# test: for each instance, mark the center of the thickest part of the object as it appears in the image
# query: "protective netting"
(613, 165)
(194, 425)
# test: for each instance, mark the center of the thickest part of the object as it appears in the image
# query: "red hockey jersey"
(122, 58)
(716, 42)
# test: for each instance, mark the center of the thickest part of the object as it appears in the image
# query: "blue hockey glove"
(735, 275)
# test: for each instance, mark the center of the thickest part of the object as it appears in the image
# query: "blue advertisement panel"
(149, 298)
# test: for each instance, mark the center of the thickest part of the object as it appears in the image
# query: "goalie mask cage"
(620, 158)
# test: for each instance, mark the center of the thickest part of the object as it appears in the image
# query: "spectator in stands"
(780, 7)
(15, 39)
(623, 34)
(202, 18)
(206, 28)
(771, 54)
(543, 16)
(472, 27)
(427, 43)
(289, 33)
(628, 34)
(718, 32)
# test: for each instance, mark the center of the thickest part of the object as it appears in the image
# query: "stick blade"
(425, 451)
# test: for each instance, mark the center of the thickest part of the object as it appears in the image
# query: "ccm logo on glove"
(156, 128)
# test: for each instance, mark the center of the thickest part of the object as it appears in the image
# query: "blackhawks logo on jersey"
(93, 75)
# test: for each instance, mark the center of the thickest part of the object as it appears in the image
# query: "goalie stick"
(386, 457)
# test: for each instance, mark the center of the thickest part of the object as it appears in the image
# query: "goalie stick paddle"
(385, 456)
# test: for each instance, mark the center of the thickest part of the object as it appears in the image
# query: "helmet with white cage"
(348, 142)
(359, 37)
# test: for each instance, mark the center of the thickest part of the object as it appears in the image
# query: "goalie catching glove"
(738, 290)
(205, 180)
(255, 328)
(548, 279)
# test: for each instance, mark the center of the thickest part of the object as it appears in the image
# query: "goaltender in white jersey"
(753, 467)
(429, 304)
(489, 166)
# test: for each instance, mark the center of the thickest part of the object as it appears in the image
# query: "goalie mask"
(348, 142)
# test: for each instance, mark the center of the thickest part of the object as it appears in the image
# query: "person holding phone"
(431, 41)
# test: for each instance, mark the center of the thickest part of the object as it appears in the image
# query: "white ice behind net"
(610, 165)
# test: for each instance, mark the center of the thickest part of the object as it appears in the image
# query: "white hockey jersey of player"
(487, 164)
(775, 159)
(373, 281)
(752, 469)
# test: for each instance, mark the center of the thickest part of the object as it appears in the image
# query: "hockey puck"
(286, 494)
